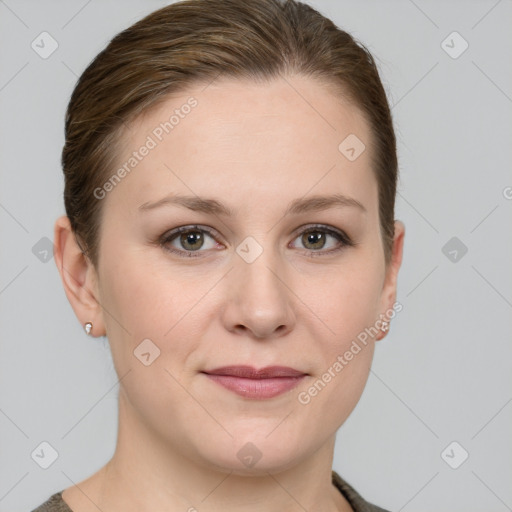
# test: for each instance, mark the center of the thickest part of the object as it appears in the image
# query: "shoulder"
(54, 503)
(357, 502)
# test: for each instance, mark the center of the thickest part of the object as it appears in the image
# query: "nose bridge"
(260, 299)
(260, 274)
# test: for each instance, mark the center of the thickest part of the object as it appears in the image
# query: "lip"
(250, 382)
(248, 372)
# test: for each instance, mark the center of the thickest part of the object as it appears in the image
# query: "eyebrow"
(297, 206)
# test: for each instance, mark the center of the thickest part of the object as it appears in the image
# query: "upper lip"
(249, 372)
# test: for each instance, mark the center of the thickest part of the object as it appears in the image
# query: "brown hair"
(198, 40)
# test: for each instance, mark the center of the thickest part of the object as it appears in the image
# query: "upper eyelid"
(184, 229)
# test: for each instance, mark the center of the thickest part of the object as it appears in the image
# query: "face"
(280, 281)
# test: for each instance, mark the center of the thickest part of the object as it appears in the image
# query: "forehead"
(286, 137)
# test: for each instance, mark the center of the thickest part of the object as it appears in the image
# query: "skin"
(255, 148)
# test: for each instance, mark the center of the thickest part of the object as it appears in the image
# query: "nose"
(259, 301)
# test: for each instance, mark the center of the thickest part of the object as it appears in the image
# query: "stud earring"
(385, 326)
(88, 328)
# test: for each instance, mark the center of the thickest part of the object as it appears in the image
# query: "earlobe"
(77, 274)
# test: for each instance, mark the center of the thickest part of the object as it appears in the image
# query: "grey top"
(55, 503)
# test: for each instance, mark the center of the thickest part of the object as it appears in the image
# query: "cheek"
(145, 300)
(348, 301)
(142, 296)
(348, 307)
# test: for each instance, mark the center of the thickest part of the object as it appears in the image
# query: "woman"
(230, 173)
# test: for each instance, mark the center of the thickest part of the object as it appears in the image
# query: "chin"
(254, 454)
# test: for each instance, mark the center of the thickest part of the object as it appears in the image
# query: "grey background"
(442, 374)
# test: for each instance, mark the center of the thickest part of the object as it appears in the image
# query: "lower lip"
(256, 388)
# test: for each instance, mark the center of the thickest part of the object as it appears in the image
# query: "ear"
(78, 277)
(388, 296)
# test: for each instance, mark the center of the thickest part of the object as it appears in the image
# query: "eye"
(315, 239)
(189, 239)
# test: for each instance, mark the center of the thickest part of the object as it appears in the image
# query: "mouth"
(249, 382)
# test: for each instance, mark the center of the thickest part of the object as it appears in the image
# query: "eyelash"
(339, 235)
